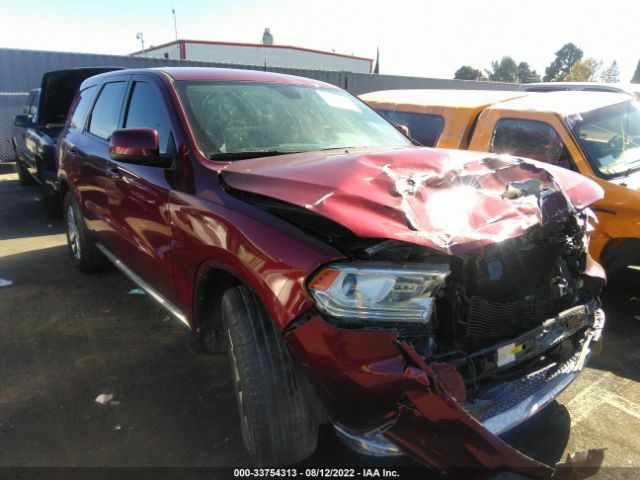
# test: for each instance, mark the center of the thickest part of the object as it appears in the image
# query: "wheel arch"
(64, 187)
(617, 253)
(211, 284)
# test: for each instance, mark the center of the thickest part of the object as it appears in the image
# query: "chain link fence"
(11, 104)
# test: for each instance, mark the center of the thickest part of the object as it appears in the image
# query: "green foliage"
(558, 70)
(466, 72)
(526, 75)
(611, 74)
(504, 70)
(584, 71)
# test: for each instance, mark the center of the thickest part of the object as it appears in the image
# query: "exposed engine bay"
(508, 309)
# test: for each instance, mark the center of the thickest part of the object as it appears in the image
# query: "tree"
(611, 74)
(466, 72)
(505, 70)
(636, 75)
(561, 66)
(584, 71)
(526, 75)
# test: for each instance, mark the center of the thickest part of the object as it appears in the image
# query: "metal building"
(258, 54)
(22, 70)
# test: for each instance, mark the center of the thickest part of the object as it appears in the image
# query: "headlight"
(373, 292)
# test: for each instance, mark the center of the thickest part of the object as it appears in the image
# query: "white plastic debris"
(5, 283)
(104, 398)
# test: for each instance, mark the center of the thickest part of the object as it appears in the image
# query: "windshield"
(239, 119)
(611, 138)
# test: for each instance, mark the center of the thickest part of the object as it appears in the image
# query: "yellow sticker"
(516, 349)
(507, 353)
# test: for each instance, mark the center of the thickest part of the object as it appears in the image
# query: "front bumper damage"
(395, 401)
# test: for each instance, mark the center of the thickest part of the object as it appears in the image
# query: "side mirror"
(23, 121)
(404, 129)
(139, 146)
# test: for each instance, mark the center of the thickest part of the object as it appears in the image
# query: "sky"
(416, 37)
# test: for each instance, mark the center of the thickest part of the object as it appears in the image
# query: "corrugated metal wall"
(21, 71)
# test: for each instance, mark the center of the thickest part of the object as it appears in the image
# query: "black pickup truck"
(37, 128)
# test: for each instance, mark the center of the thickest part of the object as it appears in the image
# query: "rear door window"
(106, 112)
(146, 110)
(424, 128)
(82, 106)
(530, 139)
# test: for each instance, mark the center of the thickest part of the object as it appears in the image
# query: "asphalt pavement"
(66, 338)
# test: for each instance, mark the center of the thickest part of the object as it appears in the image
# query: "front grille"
(488, 322)
(509, 271)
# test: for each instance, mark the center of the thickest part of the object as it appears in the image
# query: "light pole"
(175, 25)
(139, 37)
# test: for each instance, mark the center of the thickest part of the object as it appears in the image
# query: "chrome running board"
(163, 302)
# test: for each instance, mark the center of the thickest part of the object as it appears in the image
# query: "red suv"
(421, 300)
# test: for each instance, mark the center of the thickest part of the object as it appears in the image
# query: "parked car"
(36, 129)
(421, 300)
(630, 88)
(595, 134)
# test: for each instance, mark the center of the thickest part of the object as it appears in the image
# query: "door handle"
(113, 171)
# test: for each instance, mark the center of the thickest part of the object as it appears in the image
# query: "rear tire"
(84, 254)
(278, 423)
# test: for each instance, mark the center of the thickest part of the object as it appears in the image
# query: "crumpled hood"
(449, 200)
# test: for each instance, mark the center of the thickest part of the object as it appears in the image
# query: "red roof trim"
(259, 45)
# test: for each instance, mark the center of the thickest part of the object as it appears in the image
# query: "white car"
(630, 88)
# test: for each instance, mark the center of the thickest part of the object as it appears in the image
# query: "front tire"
(51, 201)
(84, 254)
(24, 177)
(278, 423)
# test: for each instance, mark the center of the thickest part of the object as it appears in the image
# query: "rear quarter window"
(425, 128)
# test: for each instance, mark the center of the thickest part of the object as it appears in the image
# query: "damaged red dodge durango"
(422, 301)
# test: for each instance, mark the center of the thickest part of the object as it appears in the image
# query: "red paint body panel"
(235, 75)
(269, 255)
(440, 424)
(358, 374)
(134, 142)
(419, 195)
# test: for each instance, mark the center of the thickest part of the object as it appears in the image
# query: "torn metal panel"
(434, 419)
(452, 201)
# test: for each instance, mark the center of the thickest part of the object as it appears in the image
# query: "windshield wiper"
(247, 155)
(351, 147)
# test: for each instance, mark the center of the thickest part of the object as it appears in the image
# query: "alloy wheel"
(73, 233)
